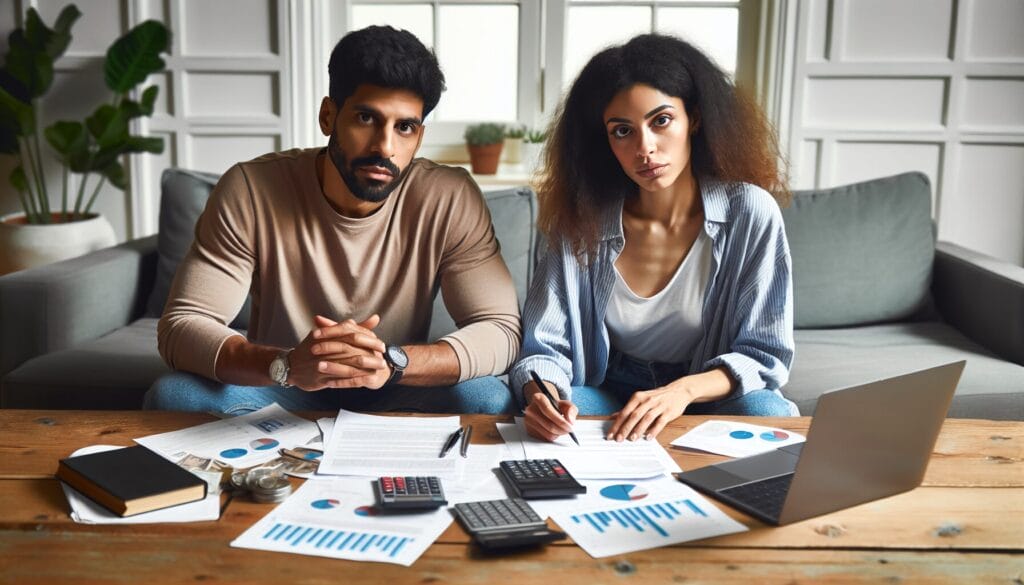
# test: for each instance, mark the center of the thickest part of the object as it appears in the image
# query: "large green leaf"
(60, 36)
(115, 173)
(108, 125)
(32, 67)
(136, 55)
(18, 179)
(67, 138)
(133, 109)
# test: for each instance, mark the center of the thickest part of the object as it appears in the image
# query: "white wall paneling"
(227, 91)
(886, 86)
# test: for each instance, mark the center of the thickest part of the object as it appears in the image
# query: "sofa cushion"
(183, 196)
(111, 372)
(862, 253)
(828, 359)
(514, 214)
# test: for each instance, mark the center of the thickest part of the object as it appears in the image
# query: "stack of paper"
(240, 442)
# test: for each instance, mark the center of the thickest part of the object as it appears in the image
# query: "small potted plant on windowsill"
(533, 147)
(484, 142)
(513, 141)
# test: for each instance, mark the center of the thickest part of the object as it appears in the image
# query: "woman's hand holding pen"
(542, 419)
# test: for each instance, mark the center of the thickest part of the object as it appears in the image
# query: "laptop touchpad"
(762, 466)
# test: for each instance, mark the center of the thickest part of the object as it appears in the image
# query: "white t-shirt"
(666, 326)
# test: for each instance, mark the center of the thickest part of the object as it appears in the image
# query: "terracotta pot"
(24, 245)
(484, 158)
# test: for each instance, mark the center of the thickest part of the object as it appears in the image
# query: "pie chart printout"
(625, 492)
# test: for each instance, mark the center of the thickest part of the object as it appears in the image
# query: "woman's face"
(649, 133)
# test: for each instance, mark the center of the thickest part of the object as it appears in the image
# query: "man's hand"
(339, 355)
(542, 419)
(647, 413)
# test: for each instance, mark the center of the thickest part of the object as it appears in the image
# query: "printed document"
(736, 439)
(239, 442)
(616, 517)
(597, 458)
(335, 517)
(371, 445)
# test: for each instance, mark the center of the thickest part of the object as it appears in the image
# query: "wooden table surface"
(965, 524)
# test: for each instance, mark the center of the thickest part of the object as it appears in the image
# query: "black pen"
(466, 437)
(551, 399)
(450, 442)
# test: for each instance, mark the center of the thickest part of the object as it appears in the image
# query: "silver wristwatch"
(279, 369)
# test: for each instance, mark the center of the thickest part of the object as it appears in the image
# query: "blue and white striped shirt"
(748, 307)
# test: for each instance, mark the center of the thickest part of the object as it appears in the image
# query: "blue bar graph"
(357, 543)
(657, 518)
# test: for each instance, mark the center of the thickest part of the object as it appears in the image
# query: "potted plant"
(513, 140)
(484, 142)
(533, 147)
(93, 148)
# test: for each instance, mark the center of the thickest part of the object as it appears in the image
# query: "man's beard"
(371, 191)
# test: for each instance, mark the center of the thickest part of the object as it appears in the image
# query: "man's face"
(373, 138)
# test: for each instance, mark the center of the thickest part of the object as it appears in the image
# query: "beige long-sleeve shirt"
(268, 230)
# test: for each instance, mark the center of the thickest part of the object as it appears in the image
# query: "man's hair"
(384, 56)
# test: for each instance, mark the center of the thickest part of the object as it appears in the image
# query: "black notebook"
(130, 481)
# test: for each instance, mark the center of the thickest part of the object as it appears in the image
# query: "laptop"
(865, 442)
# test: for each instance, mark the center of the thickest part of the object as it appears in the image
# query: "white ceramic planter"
(531, 152)
(510, 153)
(24, 246)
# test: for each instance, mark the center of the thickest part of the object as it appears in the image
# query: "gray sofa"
(874, 297)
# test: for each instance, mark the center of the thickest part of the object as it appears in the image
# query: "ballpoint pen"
(466, 436)
(551, 399)
(450, 442)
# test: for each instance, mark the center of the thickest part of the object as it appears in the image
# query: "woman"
(666, 285)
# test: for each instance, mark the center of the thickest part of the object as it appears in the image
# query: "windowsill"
(508, 175)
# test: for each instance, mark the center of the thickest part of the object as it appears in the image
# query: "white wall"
(886, 86)
(865, 88)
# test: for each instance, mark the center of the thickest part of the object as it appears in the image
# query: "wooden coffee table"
(964, 525)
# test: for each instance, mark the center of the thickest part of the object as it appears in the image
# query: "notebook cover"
(131, 480)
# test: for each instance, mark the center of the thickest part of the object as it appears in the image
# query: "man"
(343, 250)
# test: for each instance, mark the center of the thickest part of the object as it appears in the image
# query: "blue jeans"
(184, 391)
(627, 375)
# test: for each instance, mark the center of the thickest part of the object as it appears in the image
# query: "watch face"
(278, 370)
(397, 357)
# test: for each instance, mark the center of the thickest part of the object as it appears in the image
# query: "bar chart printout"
(336, 518)
(615, 529)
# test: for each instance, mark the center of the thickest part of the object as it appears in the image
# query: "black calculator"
(498, 524)
(540, 478)
(409, 493)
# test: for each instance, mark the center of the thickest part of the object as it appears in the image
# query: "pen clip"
(466, 436)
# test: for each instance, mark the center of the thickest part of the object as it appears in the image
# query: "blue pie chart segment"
(774, 436)
(232, 453)
(625, 492)
(741, 434)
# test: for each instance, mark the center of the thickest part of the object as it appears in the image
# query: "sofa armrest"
(981, 296)
(54, 307)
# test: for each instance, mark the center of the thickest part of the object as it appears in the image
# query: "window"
(506, 61)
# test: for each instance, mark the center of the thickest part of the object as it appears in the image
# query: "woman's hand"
(543, 420)
(647, 413)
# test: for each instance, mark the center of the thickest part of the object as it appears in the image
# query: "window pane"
(713, 30)
(415, 18)
(592, 28)
(478, 48)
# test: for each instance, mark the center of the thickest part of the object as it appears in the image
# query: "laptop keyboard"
(766, 495)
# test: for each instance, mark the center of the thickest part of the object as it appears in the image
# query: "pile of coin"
(264, 484)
